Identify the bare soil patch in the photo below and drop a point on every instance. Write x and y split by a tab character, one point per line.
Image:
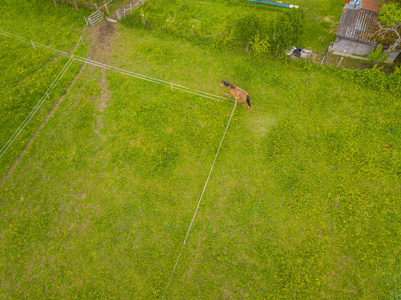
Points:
101	37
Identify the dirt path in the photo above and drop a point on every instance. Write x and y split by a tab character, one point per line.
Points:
101	37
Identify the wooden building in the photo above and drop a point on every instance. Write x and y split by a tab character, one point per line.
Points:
369	5
354	33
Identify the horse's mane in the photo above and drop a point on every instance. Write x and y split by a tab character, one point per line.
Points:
226	83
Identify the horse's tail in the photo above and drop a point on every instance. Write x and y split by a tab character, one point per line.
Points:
248	101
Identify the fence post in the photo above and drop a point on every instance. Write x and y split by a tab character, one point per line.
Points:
340	61
168	28
193	33
76	5
54	2
327	51
143	18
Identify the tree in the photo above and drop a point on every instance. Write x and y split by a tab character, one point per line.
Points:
390	14
388	30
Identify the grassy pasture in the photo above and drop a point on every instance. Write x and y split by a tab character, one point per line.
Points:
57	26
156	149
31	71
303	201
211	20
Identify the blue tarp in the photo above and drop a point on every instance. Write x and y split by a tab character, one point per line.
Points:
274	3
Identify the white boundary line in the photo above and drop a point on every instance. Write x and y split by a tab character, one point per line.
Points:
36	108
80	39
154	80
175	86
46	94
126	72
199	202
98	64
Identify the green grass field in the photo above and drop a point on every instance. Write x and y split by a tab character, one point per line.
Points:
213	19
303	201
31	69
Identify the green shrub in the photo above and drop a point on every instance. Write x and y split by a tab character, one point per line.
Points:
371	78
248	27
287	30
224	36
259	46
376	56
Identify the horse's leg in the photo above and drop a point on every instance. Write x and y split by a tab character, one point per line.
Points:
242	102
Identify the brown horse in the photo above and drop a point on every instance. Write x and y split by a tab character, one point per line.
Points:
237	93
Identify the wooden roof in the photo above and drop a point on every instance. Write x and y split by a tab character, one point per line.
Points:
357	25
372	5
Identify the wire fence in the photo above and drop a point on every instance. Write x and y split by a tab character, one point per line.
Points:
155	80
97	64
36	108
125	72
199	202
121	13
46	95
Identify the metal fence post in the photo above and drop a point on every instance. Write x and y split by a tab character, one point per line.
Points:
327	51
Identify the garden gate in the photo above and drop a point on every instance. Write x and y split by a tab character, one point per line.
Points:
97	16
